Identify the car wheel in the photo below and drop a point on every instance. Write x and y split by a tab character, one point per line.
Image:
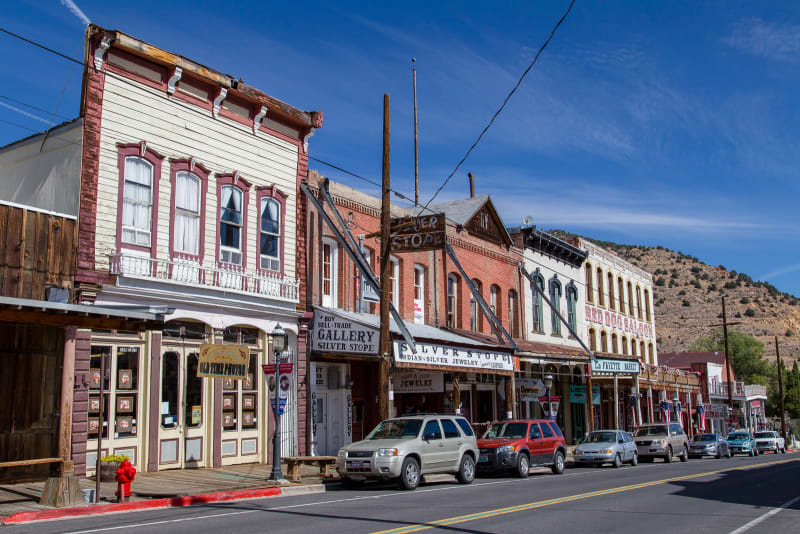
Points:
718	455
684	455
730	454
668	456
751	454
523	465
466	471
558	463
783	450
349	483
635	459
409	474
617	462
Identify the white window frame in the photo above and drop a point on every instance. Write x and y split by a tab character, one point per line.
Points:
195	215
137	231
225	249
273	263
394	279
419	294
330	299
452	301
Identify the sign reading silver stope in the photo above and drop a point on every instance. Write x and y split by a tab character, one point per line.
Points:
413	234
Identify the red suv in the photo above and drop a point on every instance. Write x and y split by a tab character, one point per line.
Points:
521	444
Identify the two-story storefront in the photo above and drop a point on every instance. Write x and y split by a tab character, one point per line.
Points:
189	199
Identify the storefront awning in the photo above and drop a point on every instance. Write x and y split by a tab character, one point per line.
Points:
14	310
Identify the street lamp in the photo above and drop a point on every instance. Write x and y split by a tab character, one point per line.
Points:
548	383
675	404
278	346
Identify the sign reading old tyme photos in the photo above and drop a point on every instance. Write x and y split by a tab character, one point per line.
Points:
224	361
413	234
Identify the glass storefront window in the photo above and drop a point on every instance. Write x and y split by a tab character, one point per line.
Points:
126	398
170	372
194	392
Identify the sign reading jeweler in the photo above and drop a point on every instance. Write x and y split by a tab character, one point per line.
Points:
428	354
628	367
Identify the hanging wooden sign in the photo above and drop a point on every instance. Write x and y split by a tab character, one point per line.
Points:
224	361
415	234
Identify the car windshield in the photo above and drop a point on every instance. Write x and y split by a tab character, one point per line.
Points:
600	437
652	430
506	430
764	435
738	436
704	437
397	429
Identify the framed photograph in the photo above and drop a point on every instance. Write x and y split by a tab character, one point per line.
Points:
247	383
94	404
248	402
227	420
94	378
125	379
125	424
125	404
228	402
248	418
228	383
94	424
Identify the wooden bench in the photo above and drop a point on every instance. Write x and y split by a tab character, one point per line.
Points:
293	464
37	461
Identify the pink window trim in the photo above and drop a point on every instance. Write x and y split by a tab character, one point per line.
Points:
272	192
180	165
244	186
143	151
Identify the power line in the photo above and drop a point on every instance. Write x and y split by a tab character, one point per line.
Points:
502	106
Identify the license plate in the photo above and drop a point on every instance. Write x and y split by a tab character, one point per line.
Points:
356	464
482	459
588	457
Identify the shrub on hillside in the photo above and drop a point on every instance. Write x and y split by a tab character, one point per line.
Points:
745	300
686	303
750	312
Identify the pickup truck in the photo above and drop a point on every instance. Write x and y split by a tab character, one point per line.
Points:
770	441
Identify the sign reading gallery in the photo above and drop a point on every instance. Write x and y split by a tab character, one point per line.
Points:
338	334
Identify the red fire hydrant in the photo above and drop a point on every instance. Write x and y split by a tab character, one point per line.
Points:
125	475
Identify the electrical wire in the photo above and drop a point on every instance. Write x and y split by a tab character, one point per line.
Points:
502	106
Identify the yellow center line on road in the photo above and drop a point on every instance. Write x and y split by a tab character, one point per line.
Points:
539	504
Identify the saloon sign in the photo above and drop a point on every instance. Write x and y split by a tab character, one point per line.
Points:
452	357
414	234
616	320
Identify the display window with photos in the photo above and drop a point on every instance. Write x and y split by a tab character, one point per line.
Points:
115	394
240	397
179	380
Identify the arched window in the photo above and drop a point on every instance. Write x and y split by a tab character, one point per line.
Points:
572	306
601	297
536	298
270	235
639	302
555	299
647	304
452	301
592	340
475	317
651	354
603	341
631	309
419	294
512	314
186	235
621	296
624	345
633	347
611	303
330	274
230	225
137	201
494	302
589	285
614	347
642	353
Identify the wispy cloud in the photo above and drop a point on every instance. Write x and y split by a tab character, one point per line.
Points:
780	272
22	112
766	39
72	6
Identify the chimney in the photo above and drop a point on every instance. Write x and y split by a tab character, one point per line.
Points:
471	184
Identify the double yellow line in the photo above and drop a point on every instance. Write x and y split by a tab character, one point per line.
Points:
549	502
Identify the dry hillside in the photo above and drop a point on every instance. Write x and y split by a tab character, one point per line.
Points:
687	295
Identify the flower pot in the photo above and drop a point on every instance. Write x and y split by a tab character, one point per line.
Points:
108	470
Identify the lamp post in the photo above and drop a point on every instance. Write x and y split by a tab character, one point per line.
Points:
278	346
675	404
548	383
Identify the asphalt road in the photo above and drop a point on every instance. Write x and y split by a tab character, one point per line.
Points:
728	495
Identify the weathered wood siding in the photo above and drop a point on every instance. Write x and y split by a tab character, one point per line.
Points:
133	112
36	250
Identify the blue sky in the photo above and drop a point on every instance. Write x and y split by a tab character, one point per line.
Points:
654	123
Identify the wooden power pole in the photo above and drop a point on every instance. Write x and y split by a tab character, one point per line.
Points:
416	138
384	348
780	388
727	360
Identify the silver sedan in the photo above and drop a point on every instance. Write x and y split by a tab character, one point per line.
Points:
606	446
709	445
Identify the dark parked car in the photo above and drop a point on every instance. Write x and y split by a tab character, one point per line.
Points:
521	444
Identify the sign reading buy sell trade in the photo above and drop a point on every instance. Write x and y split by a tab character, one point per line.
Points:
628	367
223	361
338	334
414	234
428	354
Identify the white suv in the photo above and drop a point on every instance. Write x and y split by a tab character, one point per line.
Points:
406	448
769	441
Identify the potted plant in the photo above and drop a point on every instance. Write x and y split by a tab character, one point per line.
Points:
109	465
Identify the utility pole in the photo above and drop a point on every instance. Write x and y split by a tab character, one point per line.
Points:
416	148
589	404
780	388
384	348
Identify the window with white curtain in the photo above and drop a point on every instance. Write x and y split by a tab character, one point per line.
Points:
187	213
137	203
230	225
419	294
329	272
394	282
270	244
452	301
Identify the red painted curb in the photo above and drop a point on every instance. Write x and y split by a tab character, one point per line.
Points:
189	500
